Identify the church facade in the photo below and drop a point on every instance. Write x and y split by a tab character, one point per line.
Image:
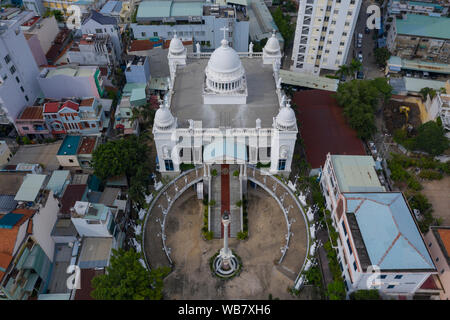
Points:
225	107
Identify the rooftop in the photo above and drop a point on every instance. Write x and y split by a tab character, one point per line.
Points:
111	7
424	26
30	187
87	145
58	180
442	235
166	8
262	100
7	203
95	252
308	80
11	182
31	113
388	229
69	146
331	134
72	194
417	84
84	293
356	173
109	195
100	18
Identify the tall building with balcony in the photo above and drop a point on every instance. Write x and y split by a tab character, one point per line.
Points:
323	34
18	69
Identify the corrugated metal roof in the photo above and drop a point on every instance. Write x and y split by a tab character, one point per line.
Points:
58	180
390	234
308	80
7	203
417	84
95	252
166	9
30	187
425	26
356	173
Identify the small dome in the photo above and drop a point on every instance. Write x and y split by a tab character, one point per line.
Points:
286	118
163	118
273	45
176	45
224	59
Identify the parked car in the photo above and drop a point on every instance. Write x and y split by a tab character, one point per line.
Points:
359	43
426	75
360	36
360	75
343	78
360	57
408	74
366	30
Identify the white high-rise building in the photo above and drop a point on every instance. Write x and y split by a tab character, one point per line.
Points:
323	34
18	69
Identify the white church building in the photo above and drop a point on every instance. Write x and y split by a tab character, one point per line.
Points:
225	107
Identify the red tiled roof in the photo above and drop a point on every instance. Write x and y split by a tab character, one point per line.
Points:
32	113
70	104
87	102
141	45
72	194
51	107
445	238
8	239
31	21
323	127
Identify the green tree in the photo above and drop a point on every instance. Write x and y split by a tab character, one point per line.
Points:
381	56
127	279
343	70
355	66
427	91
336	290
117	157
431	138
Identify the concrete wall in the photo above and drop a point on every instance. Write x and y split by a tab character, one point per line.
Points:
138	74
92	230
5	153
442	266
61	86
43	223
91	26
36	50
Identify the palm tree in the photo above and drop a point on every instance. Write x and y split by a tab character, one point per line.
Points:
355	66
343	70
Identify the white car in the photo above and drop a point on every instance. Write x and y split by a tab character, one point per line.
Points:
360	57
360	36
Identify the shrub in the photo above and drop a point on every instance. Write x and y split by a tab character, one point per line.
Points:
414	184
239	203
430	174
242	235
212	203
214	172
236	173
208	235
365	295
336	290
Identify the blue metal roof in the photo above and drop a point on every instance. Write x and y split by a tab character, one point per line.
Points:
58	180
9	220
391	237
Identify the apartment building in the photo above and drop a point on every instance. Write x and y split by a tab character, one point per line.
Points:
198	21
5	153
439	106
419	37
399	7
323	34
18	69
31	123
138	70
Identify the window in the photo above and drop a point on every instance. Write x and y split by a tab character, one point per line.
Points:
429	245
399	276
143	34
71	160
17	79
442	271
7	58
344	33
340	266
343	227
355	267
341	43
169	165
26	98
25	128
155	34
21	88
437	259
282	164
352	1
349	247
383	276
12	69
391	286
98	30
350	13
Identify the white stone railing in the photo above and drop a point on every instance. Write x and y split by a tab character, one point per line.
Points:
204	55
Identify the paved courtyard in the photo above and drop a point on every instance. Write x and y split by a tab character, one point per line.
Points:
191	277
44	154
437	192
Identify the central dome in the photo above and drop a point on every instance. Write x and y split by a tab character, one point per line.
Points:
224	59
